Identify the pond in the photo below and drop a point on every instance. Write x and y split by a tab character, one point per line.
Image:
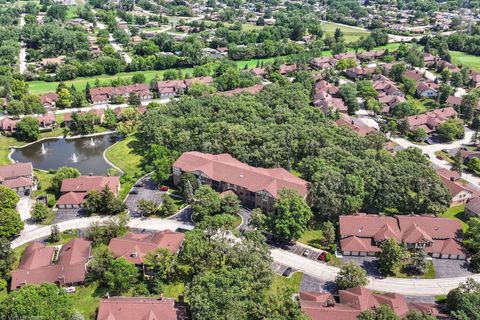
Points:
85	154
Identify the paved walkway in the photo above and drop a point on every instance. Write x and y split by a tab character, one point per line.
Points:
37	231
431	149
413	287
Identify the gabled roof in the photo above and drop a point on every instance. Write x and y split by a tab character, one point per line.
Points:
138	308
223	167
37	266
88	183
19	169
135	246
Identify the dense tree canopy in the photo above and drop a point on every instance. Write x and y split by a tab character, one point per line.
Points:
277	127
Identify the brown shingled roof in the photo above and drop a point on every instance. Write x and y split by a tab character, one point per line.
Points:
139	308
223	167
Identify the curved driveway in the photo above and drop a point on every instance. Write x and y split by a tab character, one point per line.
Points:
420	287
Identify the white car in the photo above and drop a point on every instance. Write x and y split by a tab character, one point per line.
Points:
70	290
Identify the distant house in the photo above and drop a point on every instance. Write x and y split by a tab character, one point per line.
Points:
140	308
255	187
326	102
416	75
48	100
52	61
385	86
461	193
322	63
390	102
427	89
259	72
356	126
41	263
286	69
361	234
429	60
135	246
324	86
18	177
370	55
74	190
472	207
360	73
103	95
8	125
171	88
454	102
348	55
430	120
352	302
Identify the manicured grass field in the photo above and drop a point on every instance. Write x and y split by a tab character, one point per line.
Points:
457	213
465	59
292	282
429	274
39	87
123	155
350	34
87	300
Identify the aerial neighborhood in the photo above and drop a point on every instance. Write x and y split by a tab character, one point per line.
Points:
248	160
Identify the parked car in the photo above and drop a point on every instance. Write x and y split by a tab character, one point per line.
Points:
134	191
306	252
287	272
322	256
70	290
140	184
439	157
164	188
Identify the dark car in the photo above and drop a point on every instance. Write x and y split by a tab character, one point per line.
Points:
322	256
138	185
287	272
134	191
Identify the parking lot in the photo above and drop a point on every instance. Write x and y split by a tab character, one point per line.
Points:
445	268
67	214
143	189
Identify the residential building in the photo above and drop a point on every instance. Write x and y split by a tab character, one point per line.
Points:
41	263
430	120
327	103
135	246
171	88
323	63
360	73
390	102
18	177
454	102
255	187
140	308
103	95
286	69
351	302
472	208
361	234
416	75
48	100
427	89
370	55
74	190
356	126
461	192
52	61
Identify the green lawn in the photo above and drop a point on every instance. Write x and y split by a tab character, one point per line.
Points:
173	290
312	238
429	274
293	282
350	34
465	59
39	87
87	300
457	213
123	155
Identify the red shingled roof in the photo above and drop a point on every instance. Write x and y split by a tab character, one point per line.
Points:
88	183
14	170
322	306
252	90
37	267
135	246
223	167
138	308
